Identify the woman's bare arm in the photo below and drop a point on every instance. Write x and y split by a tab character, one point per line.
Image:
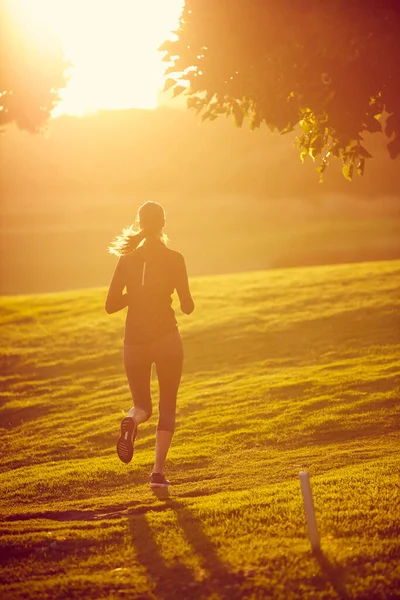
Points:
182	287
116	300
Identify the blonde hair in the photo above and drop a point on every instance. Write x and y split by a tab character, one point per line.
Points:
149	223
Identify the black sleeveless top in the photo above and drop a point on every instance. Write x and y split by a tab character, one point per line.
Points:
150	274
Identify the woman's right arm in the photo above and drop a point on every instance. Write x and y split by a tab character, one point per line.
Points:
116	300
182	287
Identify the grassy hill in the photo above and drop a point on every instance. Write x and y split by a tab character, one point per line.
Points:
285	370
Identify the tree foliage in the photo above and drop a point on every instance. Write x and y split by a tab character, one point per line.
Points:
329	68
32	68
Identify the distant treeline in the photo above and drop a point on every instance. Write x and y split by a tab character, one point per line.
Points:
67	249
137	154
236	200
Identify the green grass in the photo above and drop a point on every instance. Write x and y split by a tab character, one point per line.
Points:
284	371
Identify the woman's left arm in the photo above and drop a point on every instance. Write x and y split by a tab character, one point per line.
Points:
116	300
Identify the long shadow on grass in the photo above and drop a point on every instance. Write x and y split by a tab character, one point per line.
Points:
334	574
169	582
344	334
178	581
15	417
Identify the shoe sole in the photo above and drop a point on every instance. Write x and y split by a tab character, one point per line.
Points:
126	439
160	485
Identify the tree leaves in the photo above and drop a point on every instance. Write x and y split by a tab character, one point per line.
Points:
316	145
169	83
305	125
237	114
361	151
32	69
321	170
195	102
360	168
178	89
392	125
347	171
394	148
322	68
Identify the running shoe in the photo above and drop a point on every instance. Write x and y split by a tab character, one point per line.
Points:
126	439
157	480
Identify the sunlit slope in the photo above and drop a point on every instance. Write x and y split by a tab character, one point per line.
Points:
284	370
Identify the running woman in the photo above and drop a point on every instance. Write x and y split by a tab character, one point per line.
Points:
150	272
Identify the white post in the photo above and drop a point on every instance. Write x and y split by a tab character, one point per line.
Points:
313	534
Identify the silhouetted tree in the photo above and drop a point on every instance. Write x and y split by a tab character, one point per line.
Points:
31	69
332	67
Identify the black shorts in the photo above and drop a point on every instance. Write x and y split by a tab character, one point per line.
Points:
167	354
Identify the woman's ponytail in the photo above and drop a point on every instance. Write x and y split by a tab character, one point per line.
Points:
126	242
151	220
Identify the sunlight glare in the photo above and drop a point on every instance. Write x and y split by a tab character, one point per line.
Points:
112	47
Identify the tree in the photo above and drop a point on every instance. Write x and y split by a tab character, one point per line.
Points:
31	69
330	68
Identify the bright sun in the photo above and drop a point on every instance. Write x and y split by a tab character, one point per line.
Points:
112	45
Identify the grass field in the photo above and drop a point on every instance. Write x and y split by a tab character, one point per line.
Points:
285	370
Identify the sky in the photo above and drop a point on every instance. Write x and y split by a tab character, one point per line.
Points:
112	45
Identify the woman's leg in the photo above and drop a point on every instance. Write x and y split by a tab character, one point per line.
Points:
163	442
138	371
169	361
138	363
